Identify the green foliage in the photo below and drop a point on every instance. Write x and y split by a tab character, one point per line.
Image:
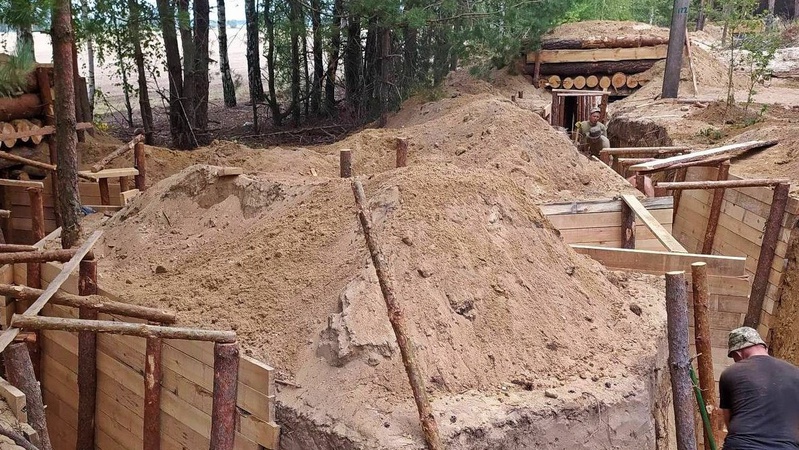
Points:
655	12
760	49
14	72
712	134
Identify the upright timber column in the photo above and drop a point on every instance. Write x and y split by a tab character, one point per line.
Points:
223	410
671	77
87	360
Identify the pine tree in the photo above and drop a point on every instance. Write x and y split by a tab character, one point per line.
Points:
228	88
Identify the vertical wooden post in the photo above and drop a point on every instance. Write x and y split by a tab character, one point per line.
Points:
19	372
679	176
627	226
105	195
640	182
537	67
123	184
679	361
140	163
151	434
771	235
87	361
715	210
604	157
397	319
34	270
223	412
402	152
345	163
703	347
46	95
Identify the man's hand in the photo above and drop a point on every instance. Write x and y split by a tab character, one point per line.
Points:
726	413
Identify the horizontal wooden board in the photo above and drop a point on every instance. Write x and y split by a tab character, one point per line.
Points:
601	206
599	220
604	234
653	226
599	54
661	262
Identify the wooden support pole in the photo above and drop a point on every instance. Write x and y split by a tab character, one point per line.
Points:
537	68
728	184
627	226
96	302
34	270
124	328
15	248
679	177
223	410
151	433
345	163
715	210
771	235
679	361
87	360
105	195
100	165
26	161
140	163
397	319
605	157
640	183
402	152
703	345
124	185
62	255
19	372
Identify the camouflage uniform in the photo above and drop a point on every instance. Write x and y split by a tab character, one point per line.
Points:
588	136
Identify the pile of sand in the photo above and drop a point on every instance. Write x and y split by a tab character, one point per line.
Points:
779	161
604	28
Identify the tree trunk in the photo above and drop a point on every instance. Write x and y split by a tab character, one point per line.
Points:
120	54
332	65
410	57
200	75
84	6
138	56
25	40
269	21
307	80
352	63
295	16
178	120
603	42
253	54
371	70
228	89
186	41
677	34
318	64
67	174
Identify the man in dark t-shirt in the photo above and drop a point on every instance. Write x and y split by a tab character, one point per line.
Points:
759	396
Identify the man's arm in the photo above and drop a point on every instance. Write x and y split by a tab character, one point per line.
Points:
726	413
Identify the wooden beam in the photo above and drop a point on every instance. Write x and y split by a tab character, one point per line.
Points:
715	211
113	327
722	184
654	226
345	163
599	54
39	256
223	410
600	206
627	226
87	360
140	163
151	430
14	248
667	162
644	151
22	183
19	370
100	165
109	173
27	161
15	400
647	261
771	235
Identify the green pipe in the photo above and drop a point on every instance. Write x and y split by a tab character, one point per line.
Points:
702	409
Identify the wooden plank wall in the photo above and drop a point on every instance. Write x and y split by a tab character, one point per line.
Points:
581	225
16	200
744	213
187	387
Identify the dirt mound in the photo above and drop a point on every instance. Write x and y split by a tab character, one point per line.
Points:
780	161
593	28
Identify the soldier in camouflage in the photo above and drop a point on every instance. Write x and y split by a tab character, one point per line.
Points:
593	134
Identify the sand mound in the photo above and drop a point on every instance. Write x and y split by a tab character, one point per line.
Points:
780	161
594	28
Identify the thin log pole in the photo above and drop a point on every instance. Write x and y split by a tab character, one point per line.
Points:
96	302
223	412
707	385
140	163
640	183
151	434
679	177
100	165
345	163
728	184
62	255
105	194
19	372
771	235
16	248
679	361
124	185
715	210
26	161
402	152
34	269
627	226
87	360
397	319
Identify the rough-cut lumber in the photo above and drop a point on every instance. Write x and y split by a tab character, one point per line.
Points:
109	173
618	80
715	211
15	399
96	302
695	156
627	226
140	163
124	328
654	226
648	261
100	165
345	163
17	437
87	360
679	360
702	338
554	81
151	431
601	206
765	260
645	151
592	81
579	82
37	256
105	192
25	106
397	319
22	183
599	54
604	82
573	69
723	184
223	410
19	370
603	42
402	151
15	248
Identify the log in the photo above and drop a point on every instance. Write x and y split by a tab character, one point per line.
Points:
34	275
604	82
62	255
627	226
140	163
568	83
105	193
679	177
702	340
632	81
402	152
573	69
703	154
113	327
7	129
728	184
579	82
46	95
679	361
397	319
29	162
715	211
87	360
36	125
223	409
100	165
345	163
618	80
151	432
592	81
25	106
603	42
96	302
21	126
19	372
14	248
554	81
124	184
771	235
16	437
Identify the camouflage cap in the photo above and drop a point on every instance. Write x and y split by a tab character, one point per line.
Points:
741	338
596	109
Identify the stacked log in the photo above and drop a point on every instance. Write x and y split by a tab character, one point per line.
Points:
9	129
